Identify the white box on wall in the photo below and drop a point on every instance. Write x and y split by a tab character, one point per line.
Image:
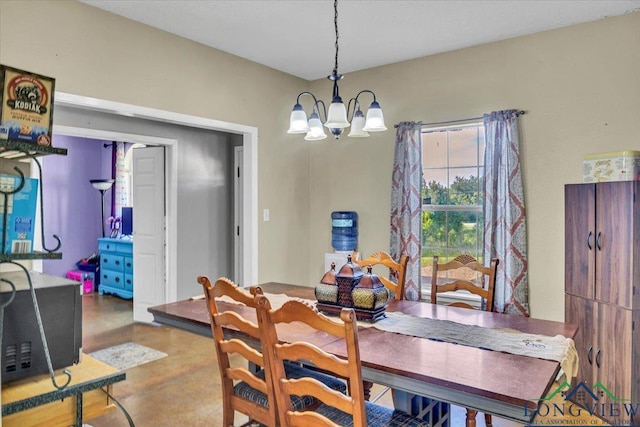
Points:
614	166
340	258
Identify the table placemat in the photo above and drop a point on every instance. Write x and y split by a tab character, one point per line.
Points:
558	348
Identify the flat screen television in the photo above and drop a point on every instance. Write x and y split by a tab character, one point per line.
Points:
127	221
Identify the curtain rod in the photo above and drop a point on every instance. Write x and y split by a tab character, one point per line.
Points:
519	113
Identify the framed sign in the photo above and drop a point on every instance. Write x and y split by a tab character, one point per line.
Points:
26	110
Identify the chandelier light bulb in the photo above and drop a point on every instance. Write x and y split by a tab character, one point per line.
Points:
375	119
298	120
357	125
337	116
316	131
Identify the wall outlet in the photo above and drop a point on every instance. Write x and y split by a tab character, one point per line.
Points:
265	215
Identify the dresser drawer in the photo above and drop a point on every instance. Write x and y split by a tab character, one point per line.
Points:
112	262
112	279
128	265
106	246
125	247
113	245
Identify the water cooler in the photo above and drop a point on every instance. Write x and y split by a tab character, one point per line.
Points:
344	238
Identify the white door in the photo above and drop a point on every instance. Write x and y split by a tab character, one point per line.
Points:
238	232
148	231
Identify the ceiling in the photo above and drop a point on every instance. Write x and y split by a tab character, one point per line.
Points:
298	36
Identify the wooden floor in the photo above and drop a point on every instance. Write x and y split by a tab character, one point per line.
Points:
182	389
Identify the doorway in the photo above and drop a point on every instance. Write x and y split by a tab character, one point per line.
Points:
249	194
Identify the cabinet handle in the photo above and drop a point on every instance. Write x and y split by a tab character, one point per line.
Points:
589	240
598	241
598	358
117	279
589	355
117	262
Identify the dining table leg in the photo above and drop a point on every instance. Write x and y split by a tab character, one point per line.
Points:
471	418
367	385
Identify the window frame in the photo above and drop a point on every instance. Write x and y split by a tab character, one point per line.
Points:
425	285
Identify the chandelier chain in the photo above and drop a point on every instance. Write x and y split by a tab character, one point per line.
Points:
335	23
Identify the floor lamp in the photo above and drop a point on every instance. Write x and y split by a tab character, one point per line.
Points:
102	185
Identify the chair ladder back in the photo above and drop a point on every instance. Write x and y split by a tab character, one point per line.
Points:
488	277
349	369
398	269
236	373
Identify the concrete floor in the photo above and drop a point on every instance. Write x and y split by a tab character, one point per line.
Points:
182	389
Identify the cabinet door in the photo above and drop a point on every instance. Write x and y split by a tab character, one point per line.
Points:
579	206
583	312
614	242
613	356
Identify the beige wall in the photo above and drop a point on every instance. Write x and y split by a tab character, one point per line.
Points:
579	86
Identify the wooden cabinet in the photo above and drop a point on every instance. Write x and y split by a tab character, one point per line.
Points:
602	275
116	267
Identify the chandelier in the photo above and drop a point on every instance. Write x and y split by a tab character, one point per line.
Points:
336	119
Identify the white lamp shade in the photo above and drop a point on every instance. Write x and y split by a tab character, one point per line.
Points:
375	119
316	131
101	184
298	121
337	116
357	125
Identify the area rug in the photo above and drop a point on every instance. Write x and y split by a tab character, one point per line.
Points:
128	355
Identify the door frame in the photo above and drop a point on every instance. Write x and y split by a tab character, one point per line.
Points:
238	232
250	163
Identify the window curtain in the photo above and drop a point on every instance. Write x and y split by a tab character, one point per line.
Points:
505	235
406	205
121	194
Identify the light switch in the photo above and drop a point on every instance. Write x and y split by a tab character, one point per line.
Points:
265	215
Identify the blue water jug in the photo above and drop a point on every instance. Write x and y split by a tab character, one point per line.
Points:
344	230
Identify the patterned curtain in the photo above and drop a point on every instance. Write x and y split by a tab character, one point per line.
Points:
505	233
121	197
406	204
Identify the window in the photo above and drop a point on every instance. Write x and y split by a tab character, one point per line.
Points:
128	173
452	195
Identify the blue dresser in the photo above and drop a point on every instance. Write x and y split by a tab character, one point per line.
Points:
116	267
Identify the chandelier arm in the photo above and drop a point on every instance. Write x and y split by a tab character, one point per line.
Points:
356	105
315	100
321	103
316	103
367	91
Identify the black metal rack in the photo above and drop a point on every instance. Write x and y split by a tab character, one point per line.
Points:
24	151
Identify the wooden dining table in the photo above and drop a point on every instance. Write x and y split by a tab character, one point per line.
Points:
502	384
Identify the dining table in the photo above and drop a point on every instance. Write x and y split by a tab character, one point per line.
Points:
499	383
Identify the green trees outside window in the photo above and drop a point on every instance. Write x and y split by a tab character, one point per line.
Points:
452	195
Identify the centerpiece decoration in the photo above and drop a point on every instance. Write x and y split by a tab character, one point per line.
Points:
352	288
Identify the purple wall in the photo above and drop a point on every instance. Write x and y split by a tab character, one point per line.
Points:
71	205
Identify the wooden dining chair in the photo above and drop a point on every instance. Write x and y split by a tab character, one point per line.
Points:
397	269
396	288
337	409
244	390
465	272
